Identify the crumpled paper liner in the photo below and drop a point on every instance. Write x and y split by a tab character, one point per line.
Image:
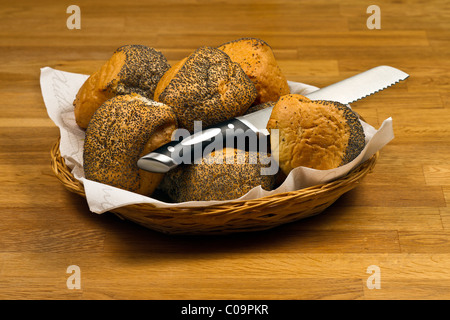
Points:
59	89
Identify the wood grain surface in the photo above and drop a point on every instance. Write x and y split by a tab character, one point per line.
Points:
397	219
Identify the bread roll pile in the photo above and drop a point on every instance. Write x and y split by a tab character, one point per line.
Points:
134	103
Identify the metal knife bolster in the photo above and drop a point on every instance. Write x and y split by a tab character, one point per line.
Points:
192	147
237	132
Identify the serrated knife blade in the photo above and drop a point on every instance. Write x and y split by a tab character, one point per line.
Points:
346	91
361	85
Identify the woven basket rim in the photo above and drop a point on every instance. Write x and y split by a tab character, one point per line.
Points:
231	216
63	173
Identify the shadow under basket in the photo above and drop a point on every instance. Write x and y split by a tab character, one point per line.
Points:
231	217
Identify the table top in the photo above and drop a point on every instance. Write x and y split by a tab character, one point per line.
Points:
389	238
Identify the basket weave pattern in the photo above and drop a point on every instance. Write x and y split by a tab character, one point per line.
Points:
236	216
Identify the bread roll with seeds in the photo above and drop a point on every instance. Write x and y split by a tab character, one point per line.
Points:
123	129
206	86
256	57
131	69
231	177
316	134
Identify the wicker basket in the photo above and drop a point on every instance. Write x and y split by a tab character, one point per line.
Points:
237	216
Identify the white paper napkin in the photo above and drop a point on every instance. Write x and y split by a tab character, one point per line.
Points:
59	89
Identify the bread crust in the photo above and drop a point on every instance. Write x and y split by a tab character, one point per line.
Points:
131	69
316	134
206	86
235	174
122	130
257	60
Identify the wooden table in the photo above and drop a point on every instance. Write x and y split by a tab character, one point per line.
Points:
392	230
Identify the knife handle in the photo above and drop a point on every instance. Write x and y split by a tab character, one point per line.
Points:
193	147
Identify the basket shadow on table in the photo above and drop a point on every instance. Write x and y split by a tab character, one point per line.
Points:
301	231
128	239
280	223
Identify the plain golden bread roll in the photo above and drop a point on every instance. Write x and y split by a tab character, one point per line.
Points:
122	130
131	69
238	173
256	57
316	134
206	86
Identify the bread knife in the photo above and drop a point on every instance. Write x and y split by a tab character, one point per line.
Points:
186	149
